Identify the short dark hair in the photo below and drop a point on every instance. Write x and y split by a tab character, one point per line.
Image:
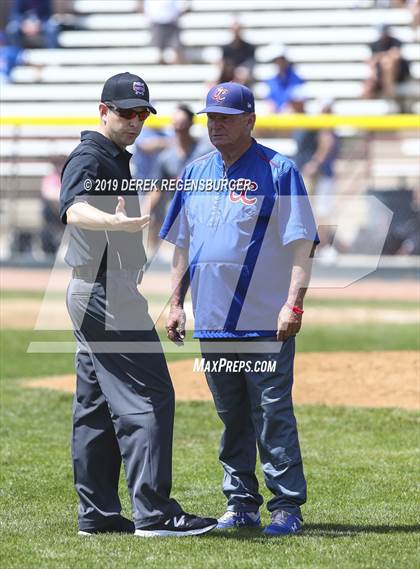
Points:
187	110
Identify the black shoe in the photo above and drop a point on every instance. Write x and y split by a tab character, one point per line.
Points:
179	525
117	525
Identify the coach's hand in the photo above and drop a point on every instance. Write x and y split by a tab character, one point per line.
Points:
288	323
129	224
175	325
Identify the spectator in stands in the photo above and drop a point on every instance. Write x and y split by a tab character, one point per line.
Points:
285	80
144	164
163	17
10	56
52	230
228	72
316	153
238	59
387	66
31	24
147	148
183	149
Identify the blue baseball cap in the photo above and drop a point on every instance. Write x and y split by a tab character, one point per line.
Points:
229	99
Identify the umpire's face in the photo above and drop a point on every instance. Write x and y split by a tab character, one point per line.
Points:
226	131
122	131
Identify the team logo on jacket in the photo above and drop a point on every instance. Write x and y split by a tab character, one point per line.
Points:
220	94
239	193
138	88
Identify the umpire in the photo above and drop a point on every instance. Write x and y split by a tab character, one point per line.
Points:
124	403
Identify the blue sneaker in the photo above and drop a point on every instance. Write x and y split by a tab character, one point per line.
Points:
283	523
231	520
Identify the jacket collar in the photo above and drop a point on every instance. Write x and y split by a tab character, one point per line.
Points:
105	143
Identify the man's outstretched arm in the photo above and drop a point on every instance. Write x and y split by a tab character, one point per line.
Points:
85	216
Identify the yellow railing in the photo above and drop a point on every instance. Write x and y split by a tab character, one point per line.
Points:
275	122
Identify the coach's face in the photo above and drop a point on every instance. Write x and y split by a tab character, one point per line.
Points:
226	131
122	131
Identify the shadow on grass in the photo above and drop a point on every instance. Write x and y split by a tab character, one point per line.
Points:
339	530
320	530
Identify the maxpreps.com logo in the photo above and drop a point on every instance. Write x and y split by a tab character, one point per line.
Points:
239	193
220	94
138	88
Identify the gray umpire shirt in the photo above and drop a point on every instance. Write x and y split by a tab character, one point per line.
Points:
94	173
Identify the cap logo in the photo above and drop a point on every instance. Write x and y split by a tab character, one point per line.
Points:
220	94
138	88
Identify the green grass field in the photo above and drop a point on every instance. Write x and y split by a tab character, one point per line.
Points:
361	467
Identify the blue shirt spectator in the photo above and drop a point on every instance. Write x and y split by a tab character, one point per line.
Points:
285	80
31	24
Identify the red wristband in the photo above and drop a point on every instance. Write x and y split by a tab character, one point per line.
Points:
295	309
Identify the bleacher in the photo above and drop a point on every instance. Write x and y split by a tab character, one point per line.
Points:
326	39
328	45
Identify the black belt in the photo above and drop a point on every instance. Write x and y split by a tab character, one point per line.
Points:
91	275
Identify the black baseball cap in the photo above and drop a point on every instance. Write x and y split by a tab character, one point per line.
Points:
126	91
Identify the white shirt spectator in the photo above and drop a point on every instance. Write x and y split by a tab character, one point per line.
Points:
164	11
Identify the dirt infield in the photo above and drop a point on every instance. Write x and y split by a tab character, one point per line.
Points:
365	379
356	379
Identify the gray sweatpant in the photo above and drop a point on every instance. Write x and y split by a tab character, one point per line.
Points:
256	409
123	407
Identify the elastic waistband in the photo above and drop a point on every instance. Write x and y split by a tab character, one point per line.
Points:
90	274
